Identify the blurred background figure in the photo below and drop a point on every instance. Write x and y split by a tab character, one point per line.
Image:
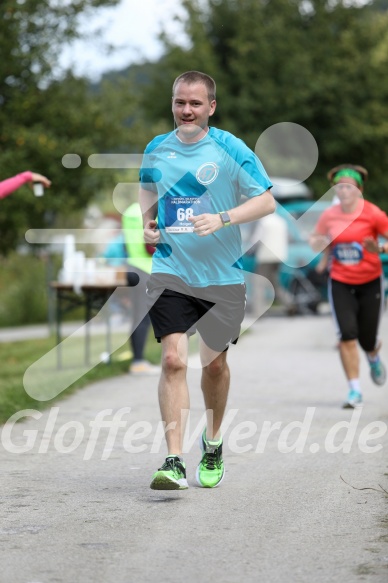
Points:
271	252
115	255
249	263
139	269
115	252
9	185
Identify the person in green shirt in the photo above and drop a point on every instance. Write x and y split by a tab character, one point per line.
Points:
139	263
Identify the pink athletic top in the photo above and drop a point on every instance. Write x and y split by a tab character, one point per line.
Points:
11	184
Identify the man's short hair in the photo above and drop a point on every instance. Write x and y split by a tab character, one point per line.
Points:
192	77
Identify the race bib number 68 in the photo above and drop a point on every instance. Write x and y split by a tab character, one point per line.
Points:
179	209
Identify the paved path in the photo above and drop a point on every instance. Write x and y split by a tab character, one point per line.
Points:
280	516
18	333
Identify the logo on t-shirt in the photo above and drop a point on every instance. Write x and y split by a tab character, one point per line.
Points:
207	173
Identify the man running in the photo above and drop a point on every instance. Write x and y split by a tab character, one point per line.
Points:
192	180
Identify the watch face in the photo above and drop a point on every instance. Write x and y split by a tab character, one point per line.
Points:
225	218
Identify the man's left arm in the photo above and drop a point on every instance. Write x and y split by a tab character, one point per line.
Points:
251	210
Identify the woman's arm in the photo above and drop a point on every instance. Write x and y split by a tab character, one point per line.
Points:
318	242
373	246
9	185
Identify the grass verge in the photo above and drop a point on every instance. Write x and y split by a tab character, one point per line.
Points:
38	357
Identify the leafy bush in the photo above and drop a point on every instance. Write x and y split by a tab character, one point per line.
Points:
23	290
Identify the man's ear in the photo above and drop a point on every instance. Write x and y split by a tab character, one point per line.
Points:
213	105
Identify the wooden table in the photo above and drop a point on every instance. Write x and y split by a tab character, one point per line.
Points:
92	297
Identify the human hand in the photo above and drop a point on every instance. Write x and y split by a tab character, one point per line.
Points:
206	224
319	242
371	245
40	178
321	266
151	233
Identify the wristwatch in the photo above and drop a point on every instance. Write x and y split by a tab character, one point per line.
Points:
225	218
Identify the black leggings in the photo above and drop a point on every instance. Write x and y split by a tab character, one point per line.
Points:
140	319
357	310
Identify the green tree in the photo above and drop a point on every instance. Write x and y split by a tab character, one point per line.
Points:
319	64
45	115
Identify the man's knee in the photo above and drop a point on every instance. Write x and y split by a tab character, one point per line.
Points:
216	366
172	362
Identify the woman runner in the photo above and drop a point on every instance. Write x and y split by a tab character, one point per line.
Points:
356	287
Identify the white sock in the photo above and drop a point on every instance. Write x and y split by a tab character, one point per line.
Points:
354	385
213	441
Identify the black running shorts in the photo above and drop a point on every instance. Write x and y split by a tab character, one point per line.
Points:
215	311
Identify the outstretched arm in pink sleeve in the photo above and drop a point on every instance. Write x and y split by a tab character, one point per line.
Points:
10	184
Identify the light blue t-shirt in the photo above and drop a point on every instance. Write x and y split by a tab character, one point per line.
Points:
207	176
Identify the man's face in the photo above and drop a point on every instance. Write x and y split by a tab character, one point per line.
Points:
191	109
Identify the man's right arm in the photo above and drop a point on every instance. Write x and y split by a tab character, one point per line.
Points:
149	209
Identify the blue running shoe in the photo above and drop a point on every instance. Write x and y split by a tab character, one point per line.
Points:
354	400
378	372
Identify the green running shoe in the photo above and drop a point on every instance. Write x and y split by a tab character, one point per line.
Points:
378	372
171	476
210	471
